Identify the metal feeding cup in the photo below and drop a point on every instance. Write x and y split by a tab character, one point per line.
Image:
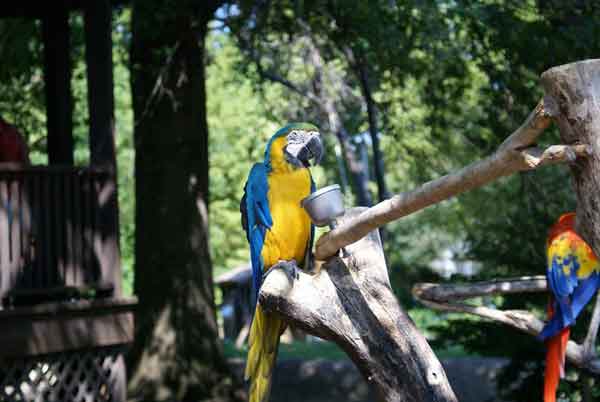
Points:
324	206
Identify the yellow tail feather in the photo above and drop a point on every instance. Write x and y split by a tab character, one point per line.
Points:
263	343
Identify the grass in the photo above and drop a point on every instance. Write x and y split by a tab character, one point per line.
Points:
294	350
323	350
425	319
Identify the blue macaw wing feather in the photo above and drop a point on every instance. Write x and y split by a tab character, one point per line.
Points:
256	218
562	284
571	293
585	291
562	280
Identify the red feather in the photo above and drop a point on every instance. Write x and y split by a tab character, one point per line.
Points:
555	360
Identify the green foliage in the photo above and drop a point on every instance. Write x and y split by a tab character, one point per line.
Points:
295	350
21	82
124	142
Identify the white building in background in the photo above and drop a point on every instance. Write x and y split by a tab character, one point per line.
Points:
449	263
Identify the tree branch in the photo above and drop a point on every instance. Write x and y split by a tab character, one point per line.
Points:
444	297
534	157
350	302
446	292
589	344
508	159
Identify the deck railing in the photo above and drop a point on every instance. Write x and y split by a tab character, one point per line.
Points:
50	242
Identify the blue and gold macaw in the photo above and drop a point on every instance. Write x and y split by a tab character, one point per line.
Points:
573	279
279	231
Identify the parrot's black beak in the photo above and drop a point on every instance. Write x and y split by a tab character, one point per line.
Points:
304	147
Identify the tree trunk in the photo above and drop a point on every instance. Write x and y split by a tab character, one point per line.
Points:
176	356
572	91
350	301
358	171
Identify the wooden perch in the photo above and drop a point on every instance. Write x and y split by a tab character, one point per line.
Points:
350	302
514	154
445	297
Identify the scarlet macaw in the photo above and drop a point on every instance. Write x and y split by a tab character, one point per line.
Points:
279	231
573	278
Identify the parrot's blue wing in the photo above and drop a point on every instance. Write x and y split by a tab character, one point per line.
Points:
571	293
256	218
563	284
585	291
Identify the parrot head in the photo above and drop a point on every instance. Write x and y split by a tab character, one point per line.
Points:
564	223
295	144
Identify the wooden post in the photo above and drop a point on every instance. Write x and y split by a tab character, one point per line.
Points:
57	78
98	56
350	301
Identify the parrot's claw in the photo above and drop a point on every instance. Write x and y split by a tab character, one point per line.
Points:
289	267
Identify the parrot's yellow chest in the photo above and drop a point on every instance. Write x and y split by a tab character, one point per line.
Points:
290	234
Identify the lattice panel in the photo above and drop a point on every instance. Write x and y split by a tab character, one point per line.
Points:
95	375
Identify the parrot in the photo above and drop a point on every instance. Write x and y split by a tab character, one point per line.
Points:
573	276
280	234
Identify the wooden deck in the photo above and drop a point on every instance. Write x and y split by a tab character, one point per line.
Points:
59	285
73	325
50	233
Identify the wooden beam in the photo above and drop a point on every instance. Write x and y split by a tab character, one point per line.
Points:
57	327
57	78
98	56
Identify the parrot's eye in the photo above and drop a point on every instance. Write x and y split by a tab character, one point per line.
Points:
294	136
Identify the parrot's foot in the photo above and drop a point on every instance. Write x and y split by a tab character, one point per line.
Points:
289	267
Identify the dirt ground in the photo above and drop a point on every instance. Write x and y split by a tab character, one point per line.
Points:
472	378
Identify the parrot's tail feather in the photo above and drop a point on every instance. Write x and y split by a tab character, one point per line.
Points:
555	363
263	344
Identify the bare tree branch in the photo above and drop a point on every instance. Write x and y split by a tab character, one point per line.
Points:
447	292
506	160
444	297
535	157
589	342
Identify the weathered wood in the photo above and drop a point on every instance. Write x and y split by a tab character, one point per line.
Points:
445	297
65	326
509	158
454	292
350	301
573	91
